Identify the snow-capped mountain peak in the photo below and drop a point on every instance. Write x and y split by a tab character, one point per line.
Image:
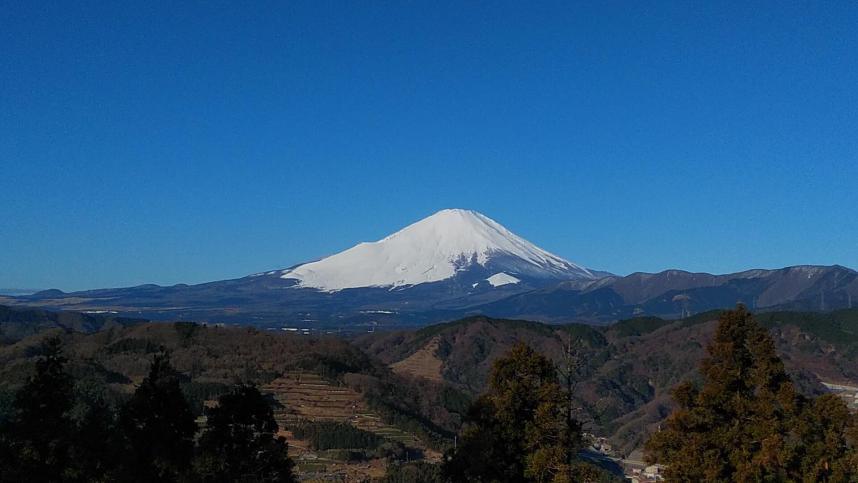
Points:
435	248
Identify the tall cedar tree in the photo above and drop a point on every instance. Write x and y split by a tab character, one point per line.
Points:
159	427
519	430
240	442
97	448
748	423
37	441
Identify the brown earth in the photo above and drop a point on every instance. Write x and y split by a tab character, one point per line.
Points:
423	363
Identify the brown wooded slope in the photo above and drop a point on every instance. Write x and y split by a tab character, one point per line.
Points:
629	368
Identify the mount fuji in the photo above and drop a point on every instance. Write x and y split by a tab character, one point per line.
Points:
450	244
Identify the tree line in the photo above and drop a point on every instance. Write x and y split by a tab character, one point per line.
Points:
747	421
743	421
522	429
52	436
322	435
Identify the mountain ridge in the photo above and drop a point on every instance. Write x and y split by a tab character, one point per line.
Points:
272	301
452	264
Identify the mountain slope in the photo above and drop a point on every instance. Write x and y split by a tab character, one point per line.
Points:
435	248
675	293
628	368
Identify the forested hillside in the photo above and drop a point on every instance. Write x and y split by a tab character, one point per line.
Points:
417	385
627	368
112	362
17	323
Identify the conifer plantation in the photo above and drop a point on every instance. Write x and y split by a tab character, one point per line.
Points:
55	436
747	422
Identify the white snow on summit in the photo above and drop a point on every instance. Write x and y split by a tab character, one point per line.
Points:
499	279
432	249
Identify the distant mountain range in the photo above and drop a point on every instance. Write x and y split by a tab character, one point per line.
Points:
452	264
18	291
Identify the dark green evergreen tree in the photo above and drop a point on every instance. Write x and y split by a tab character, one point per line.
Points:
38	439
159	427
97	448
748	423
519	431
240	442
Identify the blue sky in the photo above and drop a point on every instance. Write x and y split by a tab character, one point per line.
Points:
175	143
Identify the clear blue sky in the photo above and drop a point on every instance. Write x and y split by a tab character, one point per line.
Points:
176	142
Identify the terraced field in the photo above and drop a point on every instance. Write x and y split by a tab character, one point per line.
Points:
306	396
